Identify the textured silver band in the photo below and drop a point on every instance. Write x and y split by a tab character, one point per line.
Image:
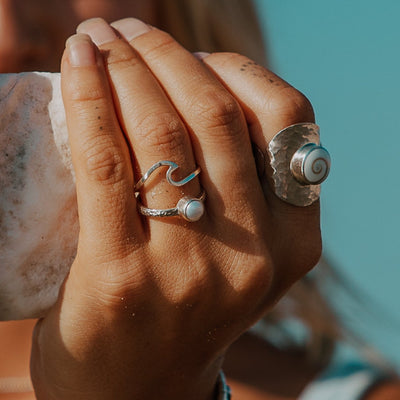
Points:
189	208
299	164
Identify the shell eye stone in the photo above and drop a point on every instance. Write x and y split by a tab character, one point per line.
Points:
310	164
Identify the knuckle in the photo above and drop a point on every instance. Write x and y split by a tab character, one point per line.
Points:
114	281
123	58
253	281
104	163
165	132
188	289
162	43
290	102
218	109
84	93
224	59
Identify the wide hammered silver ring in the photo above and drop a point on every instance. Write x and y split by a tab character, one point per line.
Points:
189	208
299	164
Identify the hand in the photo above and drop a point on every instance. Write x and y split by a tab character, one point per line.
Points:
151	304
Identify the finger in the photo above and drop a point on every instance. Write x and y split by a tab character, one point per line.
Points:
104	179
218	128
270	104
153	126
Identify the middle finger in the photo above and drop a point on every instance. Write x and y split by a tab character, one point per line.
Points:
214	119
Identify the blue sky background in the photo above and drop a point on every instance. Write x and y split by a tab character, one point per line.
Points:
344	55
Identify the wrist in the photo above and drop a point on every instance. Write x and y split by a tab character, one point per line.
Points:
209	384
206	383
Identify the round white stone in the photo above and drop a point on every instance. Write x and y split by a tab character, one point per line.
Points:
194	210
316	165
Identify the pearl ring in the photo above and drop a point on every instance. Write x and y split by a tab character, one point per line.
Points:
189	208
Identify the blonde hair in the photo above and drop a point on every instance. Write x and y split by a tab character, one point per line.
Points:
214	25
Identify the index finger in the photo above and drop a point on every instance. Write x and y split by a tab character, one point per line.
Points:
104	176
270	104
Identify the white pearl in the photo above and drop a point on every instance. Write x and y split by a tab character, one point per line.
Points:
193	210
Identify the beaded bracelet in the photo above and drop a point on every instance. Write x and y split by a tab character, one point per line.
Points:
224	391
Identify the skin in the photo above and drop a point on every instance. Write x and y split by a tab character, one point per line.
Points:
154	283
142	287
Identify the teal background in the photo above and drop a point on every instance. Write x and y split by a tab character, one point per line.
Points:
344	55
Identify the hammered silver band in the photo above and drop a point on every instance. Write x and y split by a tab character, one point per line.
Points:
299	164
189	208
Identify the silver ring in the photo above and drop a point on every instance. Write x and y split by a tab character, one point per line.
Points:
299	164
189	208
172	167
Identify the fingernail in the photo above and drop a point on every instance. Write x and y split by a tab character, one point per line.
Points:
201	55
98	30
130	28
81	50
